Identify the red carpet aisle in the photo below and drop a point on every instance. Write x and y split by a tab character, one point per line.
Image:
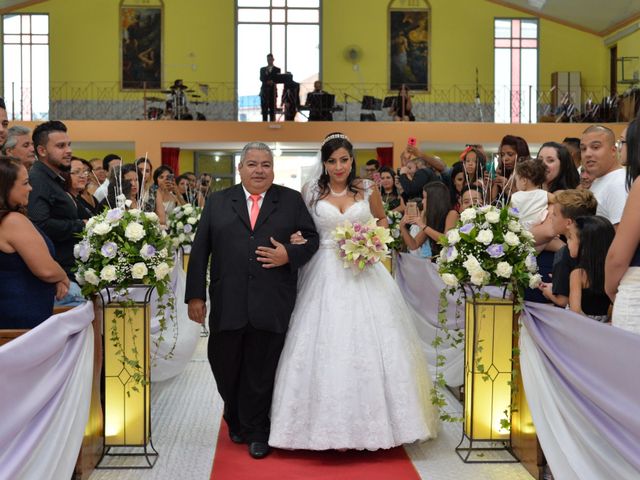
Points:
232	462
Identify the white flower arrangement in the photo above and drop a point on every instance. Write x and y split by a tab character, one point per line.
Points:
489	247
361	245
394	218
120	248
183	223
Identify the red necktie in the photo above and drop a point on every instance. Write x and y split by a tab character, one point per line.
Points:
255	209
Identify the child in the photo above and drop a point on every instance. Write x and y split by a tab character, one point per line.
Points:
531	201
566	207
589	239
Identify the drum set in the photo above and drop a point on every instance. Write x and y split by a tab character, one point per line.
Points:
176	104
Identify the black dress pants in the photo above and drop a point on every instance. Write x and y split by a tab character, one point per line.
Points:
244	364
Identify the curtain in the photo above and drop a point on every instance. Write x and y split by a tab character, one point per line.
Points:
385	156
171	158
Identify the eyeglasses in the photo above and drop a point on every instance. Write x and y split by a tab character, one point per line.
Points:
620	143
83	173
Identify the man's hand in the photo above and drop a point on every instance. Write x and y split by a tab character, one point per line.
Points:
273	257
197	310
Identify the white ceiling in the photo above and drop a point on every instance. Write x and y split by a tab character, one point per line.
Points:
597	16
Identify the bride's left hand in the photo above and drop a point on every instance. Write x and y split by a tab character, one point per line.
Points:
273	257
297	238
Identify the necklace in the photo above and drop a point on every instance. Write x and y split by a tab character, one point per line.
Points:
339	194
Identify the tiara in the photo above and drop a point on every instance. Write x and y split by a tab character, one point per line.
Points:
333	137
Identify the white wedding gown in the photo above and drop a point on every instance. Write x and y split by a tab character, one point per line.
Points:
351	374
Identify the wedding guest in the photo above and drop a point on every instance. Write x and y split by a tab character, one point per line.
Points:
123	180
20	145
621	147
109	162
561	173
470	196
622	268
401	108
586	179
456	184
50	207
512	148
413	177
530	200
97	177
29	275
588	240
4	122
389	191
438	217
371	167
77	187
567	205
599	156
166	192
572	144
147	200
474	162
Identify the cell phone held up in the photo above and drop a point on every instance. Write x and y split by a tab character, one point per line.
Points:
412	209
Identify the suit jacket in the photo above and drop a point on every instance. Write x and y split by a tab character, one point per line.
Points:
241	290
264	77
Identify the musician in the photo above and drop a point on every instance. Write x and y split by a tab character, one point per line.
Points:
318	110
401	108
268	90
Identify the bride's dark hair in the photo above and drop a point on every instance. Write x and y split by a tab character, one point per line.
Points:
333	142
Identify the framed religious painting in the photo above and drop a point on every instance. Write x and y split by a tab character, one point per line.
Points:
141	45
409	44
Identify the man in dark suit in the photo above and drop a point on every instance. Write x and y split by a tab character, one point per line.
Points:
244	234
268	89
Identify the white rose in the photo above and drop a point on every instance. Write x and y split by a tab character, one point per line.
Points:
163	253
191	221
91	277
135	212
453	236
534	280
91	222
527	234
102	228
531	263
161	270
134	231
139	270
503	269
485	236
181	237
180	225
188	209
108	273
468	215
511	239
485	208
514	226
480	277
472	265
492	217
175	242
450	279
80	278
151	216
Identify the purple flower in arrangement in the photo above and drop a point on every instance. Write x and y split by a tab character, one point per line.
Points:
357	227
188	228
114	215
109	250
466	228
147	251
514	211
84	250
495	250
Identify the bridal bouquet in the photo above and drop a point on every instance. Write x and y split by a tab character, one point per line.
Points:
394	218
183	222
360	245
489	247
120	248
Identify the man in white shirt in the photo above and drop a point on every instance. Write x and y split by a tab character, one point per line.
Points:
599	158
108	163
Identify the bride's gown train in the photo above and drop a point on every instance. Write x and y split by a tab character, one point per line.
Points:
351	374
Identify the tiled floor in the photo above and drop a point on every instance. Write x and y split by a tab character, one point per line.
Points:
186	414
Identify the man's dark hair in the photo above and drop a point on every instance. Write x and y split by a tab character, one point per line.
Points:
41	133
108	159
373	162
573	141
2	104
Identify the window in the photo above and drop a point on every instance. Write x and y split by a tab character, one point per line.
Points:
516	70
290	29
26	66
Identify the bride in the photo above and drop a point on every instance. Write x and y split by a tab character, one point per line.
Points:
351	374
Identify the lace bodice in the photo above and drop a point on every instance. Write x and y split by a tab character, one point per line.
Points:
327	216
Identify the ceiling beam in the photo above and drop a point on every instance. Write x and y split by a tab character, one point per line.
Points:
8	6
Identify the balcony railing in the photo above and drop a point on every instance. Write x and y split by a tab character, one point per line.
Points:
219	101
